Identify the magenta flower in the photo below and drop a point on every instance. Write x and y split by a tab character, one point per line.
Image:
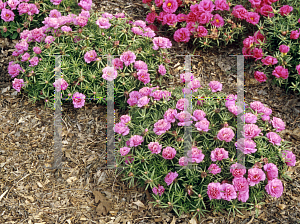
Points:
90	56
214	169
171	177
160	190
195	155
183	161
128	57
121	129
154	147
7	15
135	141
258	36
168	153
25	57
129	159
14	69
255	175
161	42
228	192
202	125
143	76
218	154
103	23
272	171
181	17
150	18
251	131
217	21
118	64
285	10
205	17
140	65
246	145
267	10
240	184
161	126
143	101
269	60
274	188
278	124
253	18
61	84
260	76
18	84
284	49
184	118
86	4
237	170
180	103
169	19
222	5
249	118
145	91
298	69
215	86
214	191
201	31
125	119
206	6
248	42
124	151
56	2
198	115
294	34
49	39
162	69
240	12
289	157
78	100
182	35
225	134
34	61
170	6
170	114
22	8
257	106
109	73
281	72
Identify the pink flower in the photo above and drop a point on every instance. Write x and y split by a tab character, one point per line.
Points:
205	17
237	170
228	192
298	69
274	138
159	3
180	103
170	19
13	4
103	23
225	134
289	157
201	31
240	12
7	15
214	169
217	21
294	34
107	15
81	21
90	56
49	39
120	15
85	13
258	53
243	196
215	86
278	124
181	17
258	36
22	46
272	171
143	76
25	57
118	64
135	141
137	30
129	159
248	42
154	147
252	17
32	9
150	18
214	191
18	84
161	126
240	184
14	69
281	72
168	153
257	106
143	101
162	69
251	130
170	114
267	10
255	3
186	77
206	6
145	91
56	2
155	190
202	125
121	129
246	145
260	76
218	154
161	190
124	151
230	100
61	84
109	73
198	115
161	42
125	119
255	175
128	57
66	29
170	6
195	155
171	177
86	4
284	49
285	10
22	8
269	60
184	118
222	5
140	65
182	35
166	95
34	61
183	161
78	100
274	188
249	118
54	13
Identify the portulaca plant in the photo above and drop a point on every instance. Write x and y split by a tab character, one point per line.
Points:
206	177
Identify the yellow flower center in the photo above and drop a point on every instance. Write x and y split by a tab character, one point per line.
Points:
169	4
251	18
217	20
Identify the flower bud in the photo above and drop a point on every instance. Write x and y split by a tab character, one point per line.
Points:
19	30
283	33
157	201
79	30
174	133
215	137
46	100
153	8
94	93
257	165
116	43
224	182
131	174
199	196
217	110
4	29
47	46
37	5
134	75
30	18
41	93
203	174
233	26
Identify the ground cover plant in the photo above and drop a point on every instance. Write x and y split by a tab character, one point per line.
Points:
207	23
150	150
17	15
87	39
275	48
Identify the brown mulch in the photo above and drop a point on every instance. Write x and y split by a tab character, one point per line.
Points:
85	190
